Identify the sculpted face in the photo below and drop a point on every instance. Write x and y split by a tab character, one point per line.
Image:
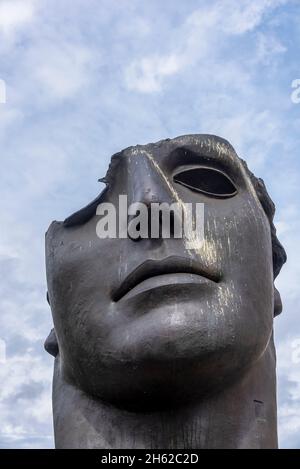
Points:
150	321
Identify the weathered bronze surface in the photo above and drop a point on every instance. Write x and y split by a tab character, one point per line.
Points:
182	363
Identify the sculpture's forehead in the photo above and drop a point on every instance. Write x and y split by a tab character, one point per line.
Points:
203	145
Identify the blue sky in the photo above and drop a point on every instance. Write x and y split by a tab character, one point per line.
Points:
86	78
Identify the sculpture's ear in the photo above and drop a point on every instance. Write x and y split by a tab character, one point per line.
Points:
51	344
277	302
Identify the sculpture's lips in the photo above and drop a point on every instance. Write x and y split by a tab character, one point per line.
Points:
171	270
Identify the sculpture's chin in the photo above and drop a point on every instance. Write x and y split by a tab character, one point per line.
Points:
154	384
168	356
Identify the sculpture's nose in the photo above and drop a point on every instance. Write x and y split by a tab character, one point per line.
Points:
147	181
147	185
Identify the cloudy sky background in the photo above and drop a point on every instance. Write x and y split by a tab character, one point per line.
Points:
86	78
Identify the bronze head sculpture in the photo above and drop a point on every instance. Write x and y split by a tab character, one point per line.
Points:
157	345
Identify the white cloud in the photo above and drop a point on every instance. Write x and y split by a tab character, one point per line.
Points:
199	38
8	117
25	400
146	75
267	47
62	68
242	17
15	13
288	366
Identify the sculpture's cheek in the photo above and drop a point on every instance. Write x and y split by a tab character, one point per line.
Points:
187	337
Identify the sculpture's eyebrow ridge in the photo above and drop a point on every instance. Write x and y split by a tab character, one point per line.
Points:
206	143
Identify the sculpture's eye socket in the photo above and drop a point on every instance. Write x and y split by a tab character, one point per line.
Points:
208	181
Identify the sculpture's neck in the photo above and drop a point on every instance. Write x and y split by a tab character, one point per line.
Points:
242	416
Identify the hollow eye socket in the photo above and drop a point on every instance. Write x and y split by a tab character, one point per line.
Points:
208	181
